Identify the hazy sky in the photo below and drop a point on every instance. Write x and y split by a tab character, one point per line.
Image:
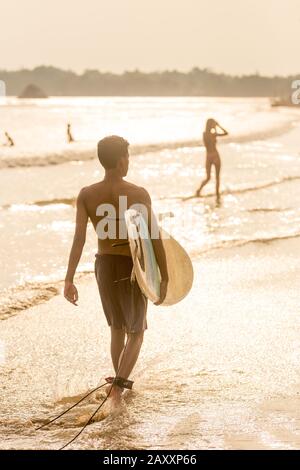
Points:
233	36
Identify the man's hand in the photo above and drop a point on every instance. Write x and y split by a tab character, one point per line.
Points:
163	292
70	292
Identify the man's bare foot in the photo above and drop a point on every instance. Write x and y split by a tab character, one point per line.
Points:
115	396
197	194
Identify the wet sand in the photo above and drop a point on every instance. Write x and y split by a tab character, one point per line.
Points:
220	370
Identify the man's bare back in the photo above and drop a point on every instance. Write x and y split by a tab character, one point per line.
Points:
91	204
109	191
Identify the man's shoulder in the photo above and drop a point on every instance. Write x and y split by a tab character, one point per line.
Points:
91	188
133	191
135	187
137	190
87	191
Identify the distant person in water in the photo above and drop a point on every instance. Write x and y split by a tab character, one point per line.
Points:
9	141
212	155
69	134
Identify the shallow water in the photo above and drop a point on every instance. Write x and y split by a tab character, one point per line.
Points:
38	127
260	186
226	374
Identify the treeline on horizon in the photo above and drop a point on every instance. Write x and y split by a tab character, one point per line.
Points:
197	82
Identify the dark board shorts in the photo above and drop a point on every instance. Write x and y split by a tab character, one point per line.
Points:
124	305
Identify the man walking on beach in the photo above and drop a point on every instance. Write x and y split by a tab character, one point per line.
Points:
124	305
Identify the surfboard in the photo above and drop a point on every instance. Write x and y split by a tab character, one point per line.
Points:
146	269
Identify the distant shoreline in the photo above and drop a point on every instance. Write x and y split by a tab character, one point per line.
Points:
197	82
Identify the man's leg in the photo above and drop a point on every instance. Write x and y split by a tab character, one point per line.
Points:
128	360
116	346
130	354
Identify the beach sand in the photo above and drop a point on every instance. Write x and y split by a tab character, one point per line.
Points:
220	370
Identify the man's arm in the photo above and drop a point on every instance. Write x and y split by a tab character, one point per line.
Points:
157	247
70	291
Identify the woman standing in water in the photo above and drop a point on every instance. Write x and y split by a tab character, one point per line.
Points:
212	155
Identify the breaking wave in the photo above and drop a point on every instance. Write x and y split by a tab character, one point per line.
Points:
19	298
236	190
79	153
242	242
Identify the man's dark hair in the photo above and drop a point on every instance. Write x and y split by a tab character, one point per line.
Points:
111	149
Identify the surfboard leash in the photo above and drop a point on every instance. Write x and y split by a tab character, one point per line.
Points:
71	407
88	422
114	382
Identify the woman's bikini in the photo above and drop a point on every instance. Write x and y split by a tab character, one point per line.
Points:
212	154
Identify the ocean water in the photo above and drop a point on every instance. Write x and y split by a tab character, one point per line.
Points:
38	127
211	382
219	370
40	181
